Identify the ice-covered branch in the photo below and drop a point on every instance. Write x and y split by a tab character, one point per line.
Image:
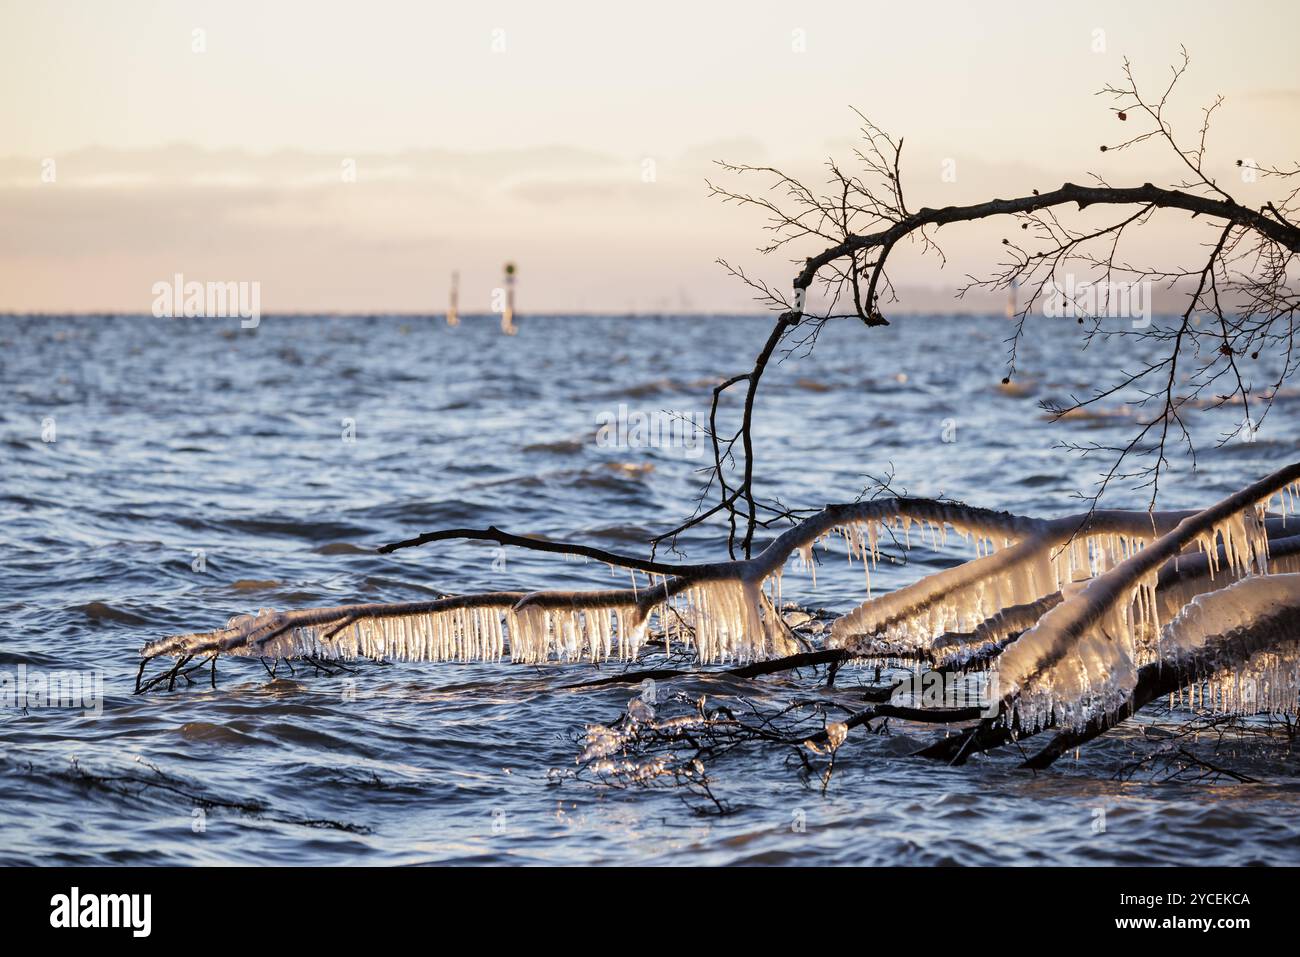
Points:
719	609
1107	628
1063	612
1239	647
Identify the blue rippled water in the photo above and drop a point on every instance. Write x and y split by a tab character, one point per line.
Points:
164	475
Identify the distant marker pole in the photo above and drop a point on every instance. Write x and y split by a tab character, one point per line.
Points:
453	309
508	316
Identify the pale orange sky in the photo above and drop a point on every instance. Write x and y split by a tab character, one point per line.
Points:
225	164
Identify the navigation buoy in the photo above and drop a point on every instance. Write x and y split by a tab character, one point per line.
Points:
508	314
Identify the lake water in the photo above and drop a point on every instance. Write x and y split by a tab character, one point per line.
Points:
163	475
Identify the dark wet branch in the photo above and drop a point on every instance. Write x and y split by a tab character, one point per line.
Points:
862	218
807	659
494	534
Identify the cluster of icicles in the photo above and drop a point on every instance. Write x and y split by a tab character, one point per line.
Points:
1081	659
717	621
489	634
1270	679
1064	610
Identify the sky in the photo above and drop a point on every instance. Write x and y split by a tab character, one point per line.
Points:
350	156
